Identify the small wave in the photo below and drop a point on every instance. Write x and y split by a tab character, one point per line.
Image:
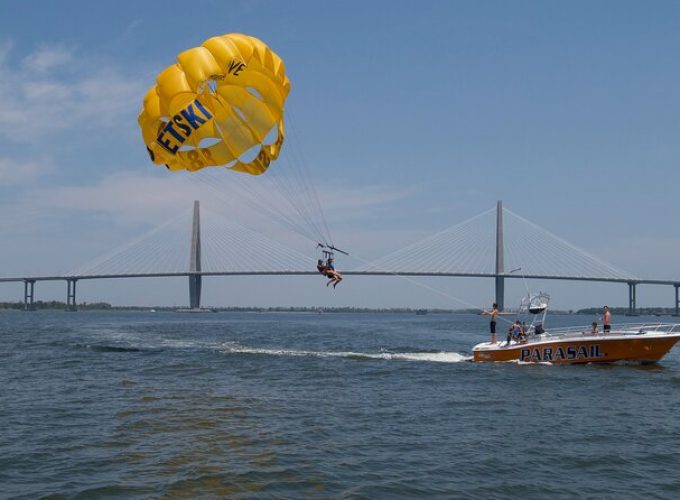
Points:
433	357
519	362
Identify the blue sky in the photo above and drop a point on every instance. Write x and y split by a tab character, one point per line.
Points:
412	116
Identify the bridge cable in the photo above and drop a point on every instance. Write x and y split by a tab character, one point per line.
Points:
284	193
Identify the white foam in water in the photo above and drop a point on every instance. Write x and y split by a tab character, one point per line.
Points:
433	357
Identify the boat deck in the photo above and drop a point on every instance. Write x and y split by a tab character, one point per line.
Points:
619	331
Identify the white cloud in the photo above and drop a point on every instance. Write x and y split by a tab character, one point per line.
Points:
46	58
346	197
13	172
127	198
152	197
55	90
88	220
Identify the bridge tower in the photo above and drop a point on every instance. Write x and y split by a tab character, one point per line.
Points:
29	292
500	281
632	299
195	260
71	294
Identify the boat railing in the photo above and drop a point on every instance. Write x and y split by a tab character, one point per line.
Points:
621	329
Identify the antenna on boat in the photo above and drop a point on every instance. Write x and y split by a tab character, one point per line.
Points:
523	279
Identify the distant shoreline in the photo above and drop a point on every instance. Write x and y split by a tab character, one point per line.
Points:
104	306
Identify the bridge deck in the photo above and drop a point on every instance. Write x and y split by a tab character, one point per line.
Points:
345	273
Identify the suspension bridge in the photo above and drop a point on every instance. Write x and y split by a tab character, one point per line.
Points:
496	244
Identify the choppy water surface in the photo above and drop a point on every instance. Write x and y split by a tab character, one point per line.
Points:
170	405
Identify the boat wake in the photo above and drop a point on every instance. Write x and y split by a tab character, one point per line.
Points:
136	345
431	357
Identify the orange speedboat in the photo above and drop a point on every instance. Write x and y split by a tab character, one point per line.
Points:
632	343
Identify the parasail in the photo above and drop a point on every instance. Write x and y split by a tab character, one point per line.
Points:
221	104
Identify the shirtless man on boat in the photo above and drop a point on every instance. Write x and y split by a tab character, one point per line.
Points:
607	320
492	324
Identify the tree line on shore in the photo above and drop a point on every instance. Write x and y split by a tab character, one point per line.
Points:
622	311
105	306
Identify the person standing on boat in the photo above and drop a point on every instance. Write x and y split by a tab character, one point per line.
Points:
492	324
606	320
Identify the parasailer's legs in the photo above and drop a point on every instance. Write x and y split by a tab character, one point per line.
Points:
335	279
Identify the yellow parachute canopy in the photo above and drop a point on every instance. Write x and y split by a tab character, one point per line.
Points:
219	101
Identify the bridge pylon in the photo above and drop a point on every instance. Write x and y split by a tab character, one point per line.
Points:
195	280
71	294
632	299
500	280
29	292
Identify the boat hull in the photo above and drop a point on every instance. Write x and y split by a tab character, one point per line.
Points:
644	349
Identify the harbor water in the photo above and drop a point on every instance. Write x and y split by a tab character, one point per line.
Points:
332	405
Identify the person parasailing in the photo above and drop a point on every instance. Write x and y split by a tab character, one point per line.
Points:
326	267
328	271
